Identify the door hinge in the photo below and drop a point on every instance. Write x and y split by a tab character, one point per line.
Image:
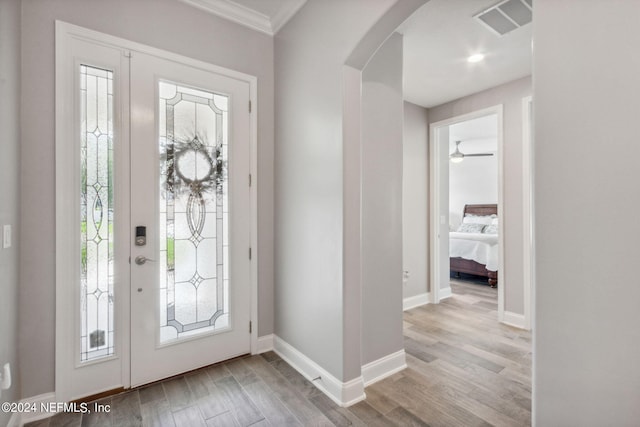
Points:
249	180
249	253
249	105
250	327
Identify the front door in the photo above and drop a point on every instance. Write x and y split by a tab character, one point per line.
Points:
153	213
190	213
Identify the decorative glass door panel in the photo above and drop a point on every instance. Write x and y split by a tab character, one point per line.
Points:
190	284
194	223
96	213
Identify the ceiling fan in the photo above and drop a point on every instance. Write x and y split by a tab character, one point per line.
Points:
457	156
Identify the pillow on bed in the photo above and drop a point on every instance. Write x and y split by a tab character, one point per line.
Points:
490	229
476	219
471	228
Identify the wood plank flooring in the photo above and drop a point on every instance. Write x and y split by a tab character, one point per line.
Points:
464	369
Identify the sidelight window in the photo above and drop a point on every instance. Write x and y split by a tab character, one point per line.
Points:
96	213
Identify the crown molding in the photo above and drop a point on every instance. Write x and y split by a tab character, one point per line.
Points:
248	17
235	12
286	12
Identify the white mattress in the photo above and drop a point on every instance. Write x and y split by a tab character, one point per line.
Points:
479	247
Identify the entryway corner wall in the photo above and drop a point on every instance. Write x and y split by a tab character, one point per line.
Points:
318	138
10	77
415	212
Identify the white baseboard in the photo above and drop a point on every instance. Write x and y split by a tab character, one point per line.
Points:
37	402
445	293
265	343
343	394
514	319
416	301
384	367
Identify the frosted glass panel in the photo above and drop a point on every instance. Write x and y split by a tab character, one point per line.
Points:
193	211
96	213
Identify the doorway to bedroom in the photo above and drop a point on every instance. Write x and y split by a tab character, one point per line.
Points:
473	206
466	205
473	201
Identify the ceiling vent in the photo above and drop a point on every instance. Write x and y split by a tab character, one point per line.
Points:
506	16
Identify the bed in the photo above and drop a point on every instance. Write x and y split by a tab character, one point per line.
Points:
473	248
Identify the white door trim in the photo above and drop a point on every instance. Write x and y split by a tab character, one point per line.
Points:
66	192
435	150
434	213
112	371
527	209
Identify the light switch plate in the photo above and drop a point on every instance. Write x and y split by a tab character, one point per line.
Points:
6	236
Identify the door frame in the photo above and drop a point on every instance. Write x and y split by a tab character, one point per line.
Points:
528	249
66	195
435	188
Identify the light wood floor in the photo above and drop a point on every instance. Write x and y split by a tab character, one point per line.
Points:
464	369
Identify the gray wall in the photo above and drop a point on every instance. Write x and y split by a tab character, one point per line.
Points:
382	120
9	191
166	24
310	52
586	109
510	95
475	180
415	195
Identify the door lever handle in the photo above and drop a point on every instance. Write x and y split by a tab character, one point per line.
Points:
141	259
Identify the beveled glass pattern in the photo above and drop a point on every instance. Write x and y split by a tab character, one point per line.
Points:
194	240
96	213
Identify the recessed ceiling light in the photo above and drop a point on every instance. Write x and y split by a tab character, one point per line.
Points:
476	58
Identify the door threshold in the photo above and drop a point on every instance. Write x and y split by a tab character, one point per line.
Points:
99	396
119	390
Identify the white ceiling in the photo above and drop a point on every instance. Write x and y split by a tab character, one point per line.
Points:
440	36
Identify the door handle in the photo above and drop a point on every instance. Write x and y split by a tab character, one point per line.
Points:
141	260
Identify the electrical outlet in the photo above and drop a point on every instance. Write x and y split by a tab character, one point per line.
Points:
6	236
5	377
